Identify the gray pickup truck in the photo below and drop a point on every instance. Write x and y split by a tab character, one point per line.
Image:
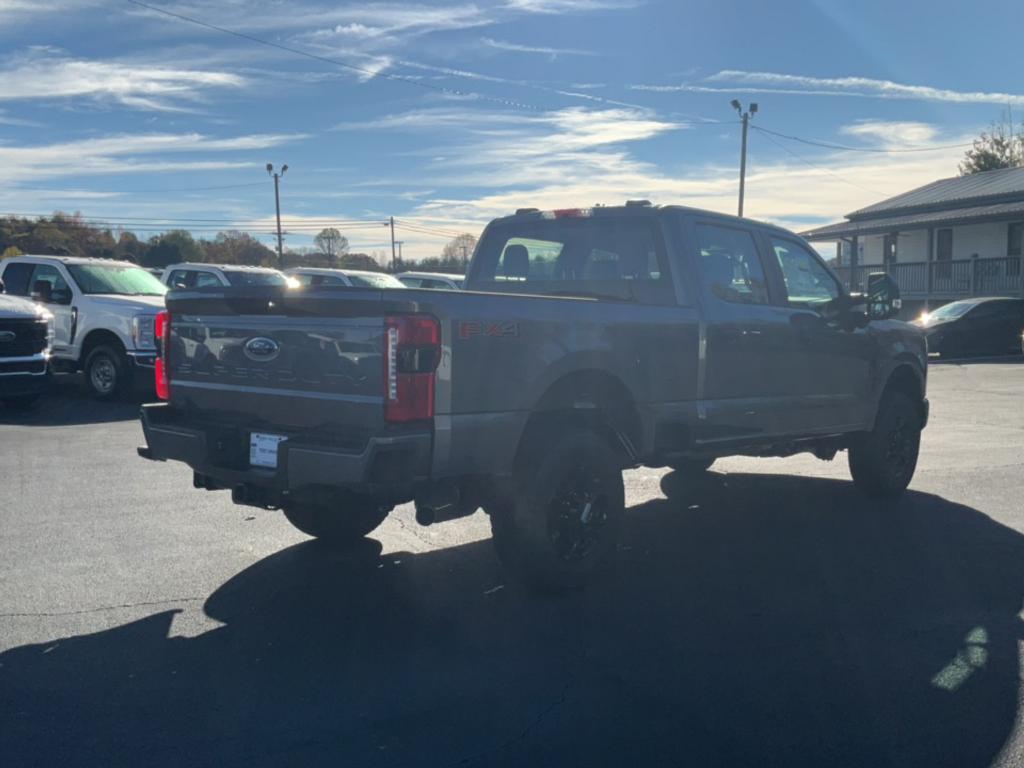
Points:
586	342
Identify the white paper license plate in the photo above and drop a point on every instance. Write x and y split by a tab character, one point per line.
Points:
263	449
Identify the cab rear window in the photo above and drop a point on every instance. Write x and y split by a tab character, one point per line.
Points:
613	258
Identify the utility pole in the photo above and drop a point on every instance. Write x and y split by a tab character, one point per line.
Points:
391	221
465	257
399	244
745	116
277	205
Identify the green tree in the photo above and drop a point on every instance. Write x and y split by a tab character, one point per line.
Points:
172	247
999	147
359	261
234	247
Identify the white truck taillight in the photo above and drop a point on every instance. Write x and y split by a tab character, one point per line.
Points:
162	337
412	351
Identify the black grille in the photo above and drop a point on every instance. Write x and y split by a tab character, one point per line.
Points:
37	367
29	337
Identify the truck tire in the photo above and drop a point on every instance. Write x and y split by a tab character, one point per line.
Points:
561	527
882	461
107	371
339	525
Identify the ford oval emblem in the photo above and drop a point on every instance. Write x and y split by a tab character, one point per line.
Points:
6	336
261	349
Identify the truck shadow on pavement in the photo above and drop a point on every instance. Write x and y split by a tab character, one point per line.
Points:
752	620
68	402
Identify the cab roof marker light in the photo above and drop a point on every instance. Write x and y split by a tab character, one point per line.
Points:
571	213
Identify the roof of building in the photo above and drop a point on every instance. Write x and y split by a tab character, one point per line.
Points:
954	192
988	195
946	217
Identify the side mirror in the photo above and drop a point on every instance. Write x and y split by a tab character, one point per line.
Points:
42	291
61	296
883	297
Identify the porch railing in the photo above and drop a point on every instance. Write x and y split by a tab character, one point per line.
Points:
958	278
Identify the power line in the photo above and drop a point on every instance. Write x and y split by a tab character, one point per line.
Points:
338	62
429	229
846	148
805	161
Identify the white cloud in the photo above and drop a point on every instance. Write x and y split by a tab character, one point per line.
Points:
138	153
43	74
569	6
519	48
894	134
580	157
774	82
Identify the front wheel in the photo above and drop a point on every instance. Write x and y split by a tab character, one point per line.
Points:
341	524
107	371
560	529
882	461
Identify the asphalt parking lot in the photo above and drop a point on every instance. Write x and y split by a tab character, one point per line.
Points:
767	616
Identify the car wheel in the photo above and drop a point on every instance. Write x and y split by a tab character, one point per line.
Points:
882	461
561	527
342	524
107	371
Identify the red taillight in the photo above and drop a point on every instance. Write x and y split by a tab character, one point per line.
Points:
162	336
412	351
571	213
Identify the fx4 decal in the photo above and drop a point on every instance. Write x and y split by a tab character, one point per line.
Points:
495	329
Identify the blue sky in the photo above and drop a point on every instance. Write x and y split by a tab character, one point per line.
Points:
454	112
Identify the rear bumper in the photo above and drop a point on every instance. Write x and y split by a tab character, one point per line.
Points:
387	465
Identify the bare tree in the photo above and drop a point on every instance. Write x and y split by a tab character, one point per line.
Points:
458	251
999	147
331	243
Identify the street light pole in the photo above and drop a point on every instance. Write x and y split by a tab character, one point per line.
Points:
745	116
391	222
277	205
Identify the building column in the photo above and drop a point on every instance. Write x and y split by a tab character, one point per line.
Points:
928	268
854	261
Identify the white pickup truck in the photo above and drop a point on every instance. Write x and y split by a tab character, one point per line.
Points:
103	315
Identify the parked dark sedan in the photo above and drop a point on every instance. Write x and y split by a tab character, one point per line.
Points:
990	326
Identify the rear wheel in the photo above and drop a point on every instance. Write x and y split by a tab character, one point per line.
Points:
883	460
344	523
107	371
561	527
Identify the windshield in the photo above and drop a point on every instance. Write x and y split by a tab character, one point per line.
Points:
127	280
952	311
375	281
245	277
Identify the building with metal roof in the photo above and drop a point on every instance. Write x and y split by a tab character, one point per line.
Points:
955	237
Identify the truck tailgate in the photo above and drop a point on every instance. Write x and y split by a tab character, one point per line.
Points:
267	358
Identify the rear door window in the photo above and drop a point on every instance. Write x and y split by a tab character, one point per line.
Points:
206	280
616	258
729	266
16	278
